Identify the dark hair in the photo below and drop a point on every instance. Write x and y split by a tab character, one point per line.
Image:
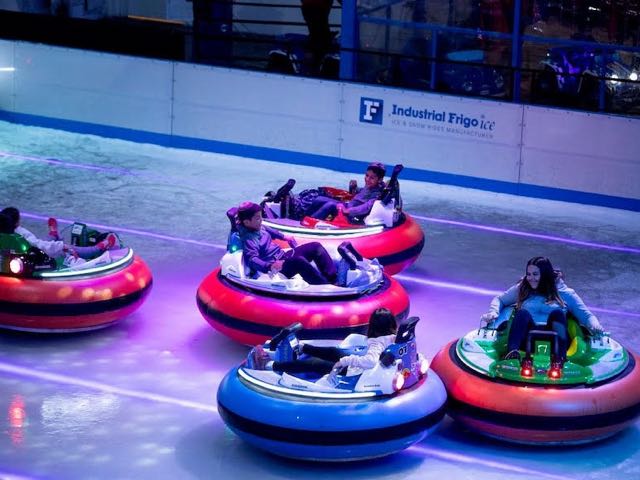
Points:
547	285
12	214
246	210
382	322
377	168
6	224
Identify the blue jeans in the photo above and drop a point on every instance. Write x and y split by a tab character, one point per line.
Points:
523	322
322	207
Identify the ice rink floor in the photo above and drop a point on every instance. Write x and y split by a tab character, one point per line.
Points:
138	400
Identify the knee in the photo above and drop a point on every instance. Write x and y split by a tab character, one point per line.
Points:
523	315
557	316
316	246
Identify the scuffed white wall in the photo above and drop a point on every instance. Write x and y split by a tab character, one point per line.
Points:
474	142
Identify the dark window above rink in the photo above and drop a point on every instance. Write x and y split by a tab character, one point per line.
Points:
573	54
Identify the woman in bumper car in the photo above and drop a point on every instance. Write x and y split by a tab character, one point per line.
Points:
541	300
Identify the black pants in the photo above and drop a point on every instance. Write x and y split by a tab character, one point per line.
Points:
322	360
523	322
299	261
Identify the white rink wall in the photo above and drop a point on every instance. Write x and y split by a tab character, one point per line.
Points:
504	147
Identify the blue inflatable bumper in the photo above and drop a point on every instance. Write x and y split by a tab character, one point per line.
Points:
325	429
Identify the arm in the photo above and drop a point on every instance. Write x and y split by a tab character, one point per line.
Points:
360	210
501	301
275	234
372	357
53	248
251	253
576	306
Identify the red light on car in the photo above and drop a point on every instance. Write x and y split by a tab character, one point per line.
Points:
554	373
526	372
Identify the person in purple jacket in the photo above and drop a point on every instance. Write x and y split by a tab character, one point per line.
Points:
261	254
361	203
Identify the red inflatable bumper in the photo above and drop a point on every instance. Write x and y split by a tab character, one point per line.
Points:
253	317
395	248
76	303
537	414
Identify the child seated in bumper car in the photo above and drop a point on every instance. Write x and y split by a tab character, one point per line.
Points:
323	203
54	247
325	359
261	254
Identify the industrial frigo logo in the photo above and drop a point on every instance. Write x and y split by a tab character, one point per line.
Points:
371	110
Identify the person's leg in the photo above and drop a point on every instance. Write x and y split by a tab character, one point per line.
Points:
309	273
90	252
557	322
315	252
311	365
520	326
322	207
316	16
87	252
330	354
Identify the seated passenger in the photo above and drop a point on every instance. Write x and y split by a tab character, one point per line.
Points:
54	247
312	202
361	203
261	254
322	360
542	301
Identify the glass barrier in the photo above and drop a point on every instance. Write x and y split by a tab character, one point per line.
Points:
582	54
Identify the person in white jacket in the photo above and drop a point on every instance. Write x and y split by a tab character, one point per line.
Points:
54	247
381	333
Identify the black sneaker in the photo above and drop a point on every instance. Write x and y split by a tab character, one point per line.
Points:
282	334
283	190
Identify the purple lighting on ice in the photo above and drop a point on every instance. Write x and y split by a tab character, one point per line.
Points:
132	231
101	387
55	161
498	465
519	233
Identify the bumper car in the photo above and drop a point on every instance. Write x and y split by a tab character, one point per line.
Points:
387	233
41	294
537	400
335	417
252	308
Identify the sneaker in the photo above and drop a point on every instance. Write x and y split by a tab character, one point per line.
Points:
268	197
258	358
512	355
283	191
109	242
53	228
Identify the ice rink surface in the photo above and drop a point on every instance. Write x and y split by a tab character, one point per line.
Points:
138	400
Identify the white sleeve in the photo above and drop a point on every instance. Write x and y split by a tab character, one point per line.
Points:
371	358
53	248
